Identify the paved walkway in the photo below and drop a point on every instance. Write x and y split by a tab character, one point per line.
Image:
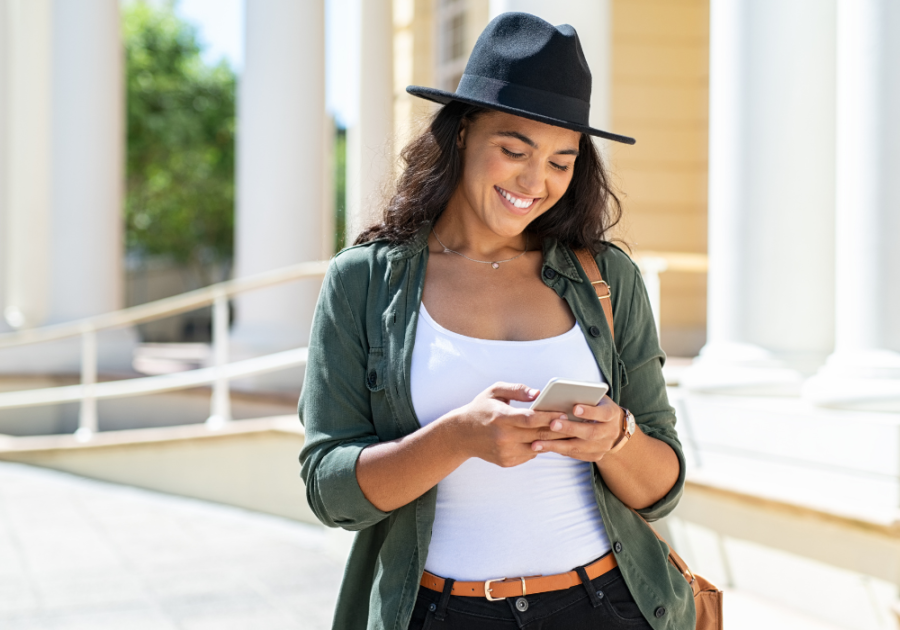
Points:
77	554
82	554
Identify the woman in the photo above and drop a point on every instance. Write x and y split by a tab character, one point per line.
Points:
431	338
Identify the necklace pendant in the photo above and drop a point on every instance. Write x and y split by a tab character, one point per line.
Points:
495	265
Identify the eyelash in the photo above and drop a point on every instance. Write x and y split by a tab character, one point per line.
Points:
518	155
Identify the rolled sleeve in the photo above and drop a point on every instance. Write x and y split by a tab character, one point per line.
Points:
644	386
336	412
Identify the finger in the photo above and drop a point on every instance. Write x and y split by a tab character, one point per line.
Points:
530	419
600	413
513	391
543	434
571	447
580	430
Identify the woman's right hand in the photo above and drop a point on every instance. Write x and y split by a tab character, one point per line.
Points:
391	474
491	429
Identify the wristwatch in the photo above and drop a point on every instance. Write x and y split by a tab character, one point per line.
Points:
628	428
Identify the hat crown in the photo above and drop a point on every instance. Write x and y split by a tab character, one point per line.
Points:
522	49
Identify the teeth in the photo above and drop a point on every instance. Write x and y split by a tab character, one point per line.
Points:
518	203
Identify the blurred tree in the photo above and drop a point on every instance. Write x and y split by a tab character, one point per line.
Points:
340	197
179	199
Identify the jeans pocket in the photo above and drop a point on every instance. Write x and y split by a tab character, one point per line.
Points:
620	604
423	615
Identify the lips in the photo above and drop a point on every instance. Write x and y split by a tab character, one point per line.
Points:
520	203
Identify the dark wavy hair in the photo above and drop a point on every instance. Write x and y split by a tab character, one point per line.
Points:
582	218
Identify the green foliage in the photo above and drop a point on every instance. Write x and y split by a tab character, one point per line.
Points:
340	187
180	157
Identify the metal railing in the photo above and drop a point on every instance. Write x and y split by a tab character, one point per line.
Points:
219	375
89	391
652	264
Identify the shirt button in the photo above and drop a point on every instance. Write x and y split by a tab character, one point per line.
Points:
659	612
432	607
372	379
617	547
521	604
549	273
595	332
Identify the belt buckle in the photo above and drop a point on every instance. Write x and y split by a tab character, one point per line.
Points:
487	589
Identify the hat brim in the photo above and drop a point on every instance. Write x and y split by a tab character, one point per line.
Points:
443	97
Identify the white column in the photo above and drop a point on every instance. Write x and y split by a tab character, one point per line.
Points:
771	158
88	159
26	239
4	92
86	274
864	371
370	152
592	20
280	169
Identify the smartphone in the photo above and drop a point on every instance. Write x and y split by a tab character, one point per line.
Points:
562	395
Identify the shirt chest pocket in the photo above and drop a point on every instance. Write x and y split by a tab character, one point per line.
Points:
375	370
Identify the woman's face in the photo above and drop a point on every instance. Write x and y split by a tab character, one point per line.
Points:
514	169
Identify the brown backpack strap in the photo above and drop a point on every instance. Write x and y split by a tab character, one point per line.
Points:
603	291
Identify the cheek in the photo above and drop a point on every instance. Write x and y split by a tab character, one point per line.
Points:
489	168
559	185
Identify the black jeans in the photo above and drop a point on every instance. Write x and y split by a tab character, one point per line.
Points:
604	602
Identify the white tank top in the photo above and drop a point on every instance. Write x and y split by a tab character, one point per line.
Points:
538	518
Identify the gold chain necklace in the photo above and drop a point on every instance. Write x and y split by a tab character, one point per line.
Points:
493	263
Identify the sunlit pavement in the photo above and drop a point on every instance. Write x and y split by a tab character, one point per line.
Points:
77	553
82	554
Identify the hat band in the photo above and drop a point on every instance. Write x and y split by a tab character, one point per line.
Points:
534	101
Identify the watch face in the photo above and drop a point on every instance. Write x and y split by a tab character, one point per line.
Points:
629	423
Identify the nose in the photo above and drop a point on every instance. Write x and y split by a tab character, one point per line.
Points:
530	179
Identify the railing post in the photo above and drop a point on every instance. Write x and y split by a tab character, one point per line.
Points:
87	417
220	406
651	267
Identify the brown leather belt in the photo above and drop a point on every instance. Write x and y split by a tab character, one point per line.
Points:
501	588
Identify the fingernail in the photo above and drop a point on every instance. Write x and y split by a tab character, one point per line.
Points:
564	417
579	410
532	392
538	447
556	426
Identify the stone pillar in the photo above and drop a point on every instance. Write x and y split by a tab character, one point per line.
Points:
280	169
26	239
864	371
771	158
63	236
86	275
88	160
370	151
592	20
4	141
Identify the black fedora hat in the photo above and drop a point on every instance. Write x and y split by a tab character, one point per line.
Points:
525	66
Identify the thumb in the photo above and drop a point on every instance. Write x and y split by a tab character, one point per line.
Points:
512	391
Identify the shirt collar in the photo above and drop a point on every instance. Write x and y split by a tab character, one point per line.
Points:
559	258
412	247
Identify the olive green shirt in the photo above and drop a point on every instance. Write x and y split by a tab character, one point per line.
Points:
357	392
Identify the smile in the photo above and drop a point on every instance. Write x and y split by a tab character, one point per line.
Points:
518	202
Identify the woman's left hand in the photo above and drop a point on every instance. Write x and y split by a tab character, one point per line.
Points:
588	441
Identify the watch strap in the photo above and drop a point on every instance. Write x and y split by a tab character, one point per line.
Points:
626	434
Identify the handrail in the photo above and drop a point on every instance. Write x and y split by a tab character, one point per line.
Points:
154	384
164	307
652	263
89	391
676	261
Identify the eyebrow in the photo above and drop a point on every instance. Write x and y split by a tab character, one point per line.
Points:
531	143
